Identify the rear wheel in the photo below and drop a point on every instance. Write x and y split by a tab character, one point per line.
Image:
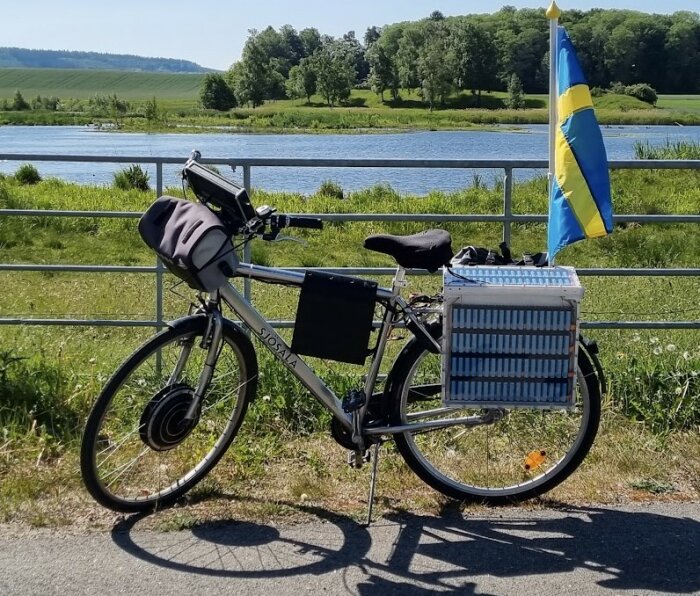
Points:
138	451
509	455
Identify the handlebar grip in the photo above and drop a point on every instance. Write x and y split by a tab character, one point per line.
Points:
292	221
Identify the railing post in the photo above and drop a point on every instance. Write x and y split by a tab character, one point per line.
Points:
246	248
507	204
159	266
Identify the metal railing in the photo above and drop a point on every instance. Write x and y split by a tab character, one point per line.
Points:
507	218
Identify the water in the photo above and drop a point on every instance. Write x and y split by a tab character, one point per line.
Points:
526	142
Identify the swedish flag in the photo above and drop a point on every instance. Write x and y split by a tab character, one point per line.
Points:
580	205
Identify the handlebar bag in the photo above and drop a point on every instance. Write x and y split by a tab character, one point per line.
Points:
191	241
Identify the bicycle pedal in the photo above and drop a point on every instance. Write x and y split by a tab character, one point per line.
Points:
357	458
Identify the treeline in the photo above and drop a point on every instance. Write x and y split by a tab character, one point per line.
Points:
25	58
439	55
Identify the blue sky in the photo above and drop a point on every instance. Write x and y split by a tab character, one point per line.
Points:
213	33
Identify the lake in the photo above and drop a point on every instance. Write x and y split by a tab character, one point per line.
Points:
525	142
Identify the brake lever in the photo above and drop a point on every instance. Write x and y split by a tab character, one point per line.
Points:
280	238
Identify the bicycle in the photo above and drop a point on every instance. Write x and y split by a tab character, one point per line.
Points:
171	410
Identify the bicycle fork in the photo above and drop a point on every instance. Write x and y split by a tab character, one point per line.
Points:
211	341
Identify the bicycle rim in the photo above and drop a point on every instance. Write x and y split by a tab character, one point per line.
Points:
522	455
137	450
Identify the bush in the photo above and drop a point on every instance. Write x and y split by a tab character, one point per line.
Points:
617	88
642	91
329	188
27	174
515	100
597	92
132	178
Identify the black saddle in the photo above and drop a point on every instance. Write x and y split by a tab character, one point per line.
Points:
427	250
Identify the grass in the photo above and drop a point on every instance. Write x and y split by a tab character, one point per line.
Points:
177	97
83	84
49	376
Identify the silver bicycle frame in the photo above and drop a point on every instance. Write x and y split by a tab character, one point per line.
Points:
272	340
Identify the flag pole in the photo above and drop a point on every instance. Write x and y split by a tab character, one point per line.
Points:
553	13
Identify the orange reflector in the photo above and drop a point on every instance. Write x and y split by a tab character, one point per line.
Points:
534	460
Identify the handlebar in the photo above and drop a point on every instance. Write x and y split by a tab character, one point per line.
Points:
293	221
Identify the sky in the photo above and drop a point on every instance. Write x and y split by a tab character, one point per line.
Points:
213	33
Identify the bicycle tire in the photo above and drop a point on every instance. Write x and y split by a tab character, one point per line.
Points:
136	453
487	463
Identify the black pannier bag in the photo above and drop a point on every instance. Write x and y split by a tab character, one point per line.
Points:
334	317
191	240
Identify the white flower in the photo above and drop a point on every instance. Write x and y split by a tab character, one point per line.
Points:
266	398
658	350
636	337
679	390
671	347
653	340
686	355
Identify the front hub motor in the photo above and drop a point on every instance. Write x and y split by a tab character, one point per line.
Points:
163	425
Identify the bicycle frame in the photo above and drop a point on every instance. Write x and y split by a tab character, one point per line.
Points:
295	363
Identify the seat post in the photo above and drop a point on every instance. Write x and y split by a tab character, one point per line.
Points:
399	280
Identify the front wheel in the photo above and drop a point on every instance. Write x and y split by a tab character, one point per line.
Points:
138	449
508	455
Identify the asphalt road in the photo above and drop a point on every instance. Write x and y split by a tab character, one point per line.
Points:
645	549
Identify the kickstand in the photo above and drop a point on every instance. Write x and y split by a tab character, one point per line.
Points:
372	483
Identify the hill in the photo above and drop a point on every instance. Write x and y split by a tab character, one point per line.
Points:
83	84
25	58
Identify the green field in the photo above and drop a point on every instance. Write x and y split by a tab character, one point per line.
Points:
83	84
177	97
49	376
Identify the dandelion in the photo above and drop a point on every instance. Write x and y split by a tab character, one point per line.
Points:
671	347
653	340
679	390
686	355
658	350
636	337
92	360
266	398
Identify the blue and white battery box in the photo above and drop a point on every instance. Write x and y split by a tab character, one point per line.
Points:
510	336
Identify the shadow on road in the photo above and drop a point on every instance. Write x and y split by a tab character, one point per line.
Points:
419	554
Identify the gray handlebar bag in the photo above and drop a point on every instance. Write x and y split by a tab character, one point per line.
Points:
191	240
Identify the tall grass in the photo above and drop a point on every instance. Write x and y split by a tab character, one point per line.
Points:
669	150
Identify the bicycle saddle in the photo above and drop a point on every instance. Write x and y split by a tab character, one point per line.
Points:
426	250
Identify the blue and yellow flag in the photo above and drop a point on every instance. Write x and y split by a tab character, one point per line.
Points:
580	205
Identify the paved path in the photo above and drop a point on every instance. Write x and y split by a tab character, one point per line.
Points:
587	550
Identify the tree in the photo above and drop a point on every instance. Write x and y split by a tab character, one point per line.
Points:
310	41
151	110
407	57
436	15
335	72
19	103
250	78
357	53
476	57
515	99
302	81
371	35
215	93
380	69
436	68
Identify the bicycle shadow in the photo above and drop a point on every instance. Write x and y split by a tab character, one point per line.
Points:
623	550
